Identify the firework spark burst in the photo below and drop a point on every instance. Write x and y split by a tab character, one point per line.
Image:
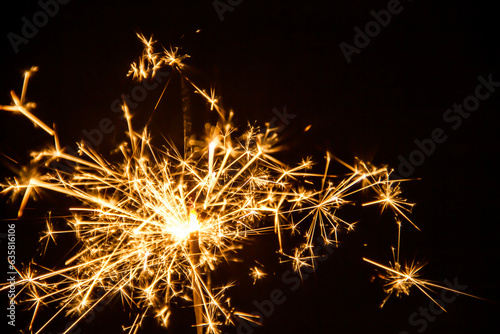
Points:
154	226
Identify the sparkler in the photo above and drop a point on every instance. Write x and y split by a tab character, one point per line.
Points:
153	227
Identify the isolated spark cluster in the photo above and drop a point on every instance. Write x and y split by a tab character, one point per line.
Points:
153	227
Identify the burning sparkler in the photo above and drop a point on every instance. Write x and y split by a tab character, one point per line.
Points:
152	227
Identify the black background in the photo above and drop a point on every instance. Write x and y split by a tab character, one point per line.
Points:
271	54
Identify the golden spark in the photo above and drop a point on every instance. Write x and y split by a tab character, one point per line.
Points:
152	227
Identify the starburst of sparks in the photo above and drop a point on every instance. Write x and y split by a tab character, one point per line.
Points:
257	273
152	227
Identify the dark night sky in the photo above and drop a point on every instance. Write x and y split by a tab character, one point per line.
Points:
271	54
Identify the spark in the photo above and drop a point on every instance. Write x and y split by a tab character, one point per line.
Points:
399	280
153	226
257	273
389	196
